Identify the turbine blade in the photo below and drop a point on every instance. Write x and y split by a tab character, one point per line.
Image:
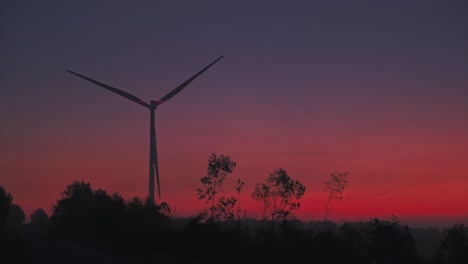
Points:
187	82
112	89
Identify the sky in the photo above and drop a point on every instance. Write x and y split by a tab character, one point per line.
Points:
376	88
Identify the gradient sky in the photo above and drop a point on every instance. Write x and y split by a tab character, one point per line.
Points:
378	88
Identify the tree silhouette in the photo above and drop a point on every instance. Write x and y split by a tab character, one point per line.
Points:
453	247
102	219
5	204
263	195
84	214
144	230
11	244
224	209
39	216
279	195
40	223
240	214
218	168
142	223
72	213
392	242
335	187
15	218
11	217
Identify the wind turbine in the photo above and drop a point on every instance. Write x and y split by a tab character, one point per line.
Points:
152	105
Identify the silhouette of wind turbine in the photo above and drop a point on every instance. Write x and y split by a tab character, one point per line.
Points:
153	160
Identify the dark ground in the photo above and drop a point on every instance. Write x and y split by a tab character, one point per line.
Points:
31	249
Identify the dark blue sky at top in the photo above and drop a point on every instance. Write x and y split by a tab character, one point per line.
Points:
380	41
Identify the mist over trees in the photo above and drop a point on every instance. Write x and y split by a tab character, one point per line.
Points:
84	219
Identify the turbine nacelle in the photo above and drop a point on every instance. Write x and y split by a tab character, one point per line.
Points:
154	104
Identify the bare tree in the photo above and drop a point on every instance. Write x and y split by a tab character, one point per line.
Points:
218	168
240	214
335	187
263	196
279	195
224	208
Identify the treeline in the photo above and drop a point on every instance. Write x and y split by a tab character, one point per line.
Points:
223	233
136	226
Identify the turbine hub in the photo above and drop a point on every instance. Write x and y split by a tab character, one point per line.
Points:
154	104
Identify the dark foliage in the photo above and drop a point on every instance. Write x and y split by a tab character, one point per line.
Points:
106	220
5	204
453	248
145	230
40	224
11	219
